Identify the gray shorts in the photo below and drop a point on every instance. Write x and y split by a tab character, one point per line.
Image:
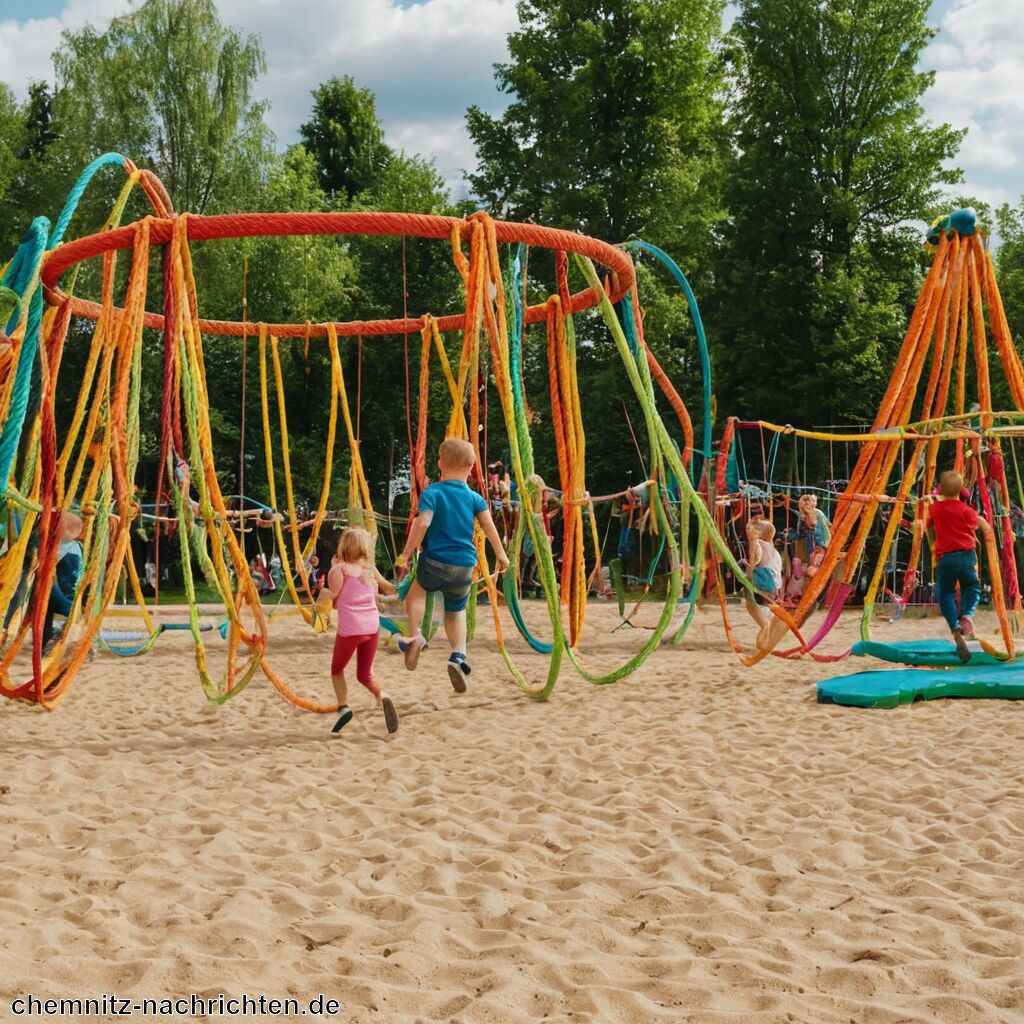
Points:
452	580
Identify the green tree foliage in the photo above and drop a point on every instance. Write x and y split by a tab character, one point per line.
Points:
817	271
12	131
39	128
287	280
611	117
171	85
345	137
614	129
1010	265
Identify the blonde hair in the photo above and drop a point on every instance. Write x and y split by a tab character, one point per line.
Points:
808	499
455	453
356	545
950	483
767	530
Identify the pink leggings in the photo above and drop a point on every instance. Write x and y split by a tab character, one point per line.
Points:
365	648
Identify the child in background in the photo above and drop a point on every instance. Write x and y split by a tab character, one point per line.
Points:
812	526
537	492
65	582
766	568
955	524
354	582
443	526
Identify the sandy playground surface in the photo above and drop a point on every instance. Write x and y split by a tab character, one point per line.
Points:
703	843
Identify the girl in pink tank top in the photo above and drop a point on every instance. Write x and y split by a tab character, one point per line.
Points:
354	583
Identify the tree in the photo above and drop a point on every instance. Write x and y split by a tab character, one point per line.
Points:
1009	261
613	116
614	129
424	268
818	270
345	137
38	117
11	133
170	86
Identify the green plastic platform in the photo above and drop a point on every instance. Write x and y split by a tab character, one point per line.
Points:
889	688
932	653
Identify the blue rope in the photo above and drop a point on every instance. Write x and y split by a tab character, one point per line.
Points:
20	274
526	452
76	193
23	268
702	342
773	454
629	326
516	334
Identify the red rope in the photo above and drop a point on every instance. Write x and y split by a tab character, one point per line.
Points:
245	225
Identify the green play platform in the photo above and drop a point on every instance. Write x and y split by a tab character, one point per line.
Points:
932	653
889	688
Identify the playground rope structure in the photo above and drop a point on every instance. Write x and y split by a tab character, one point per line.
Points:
958	309
93	467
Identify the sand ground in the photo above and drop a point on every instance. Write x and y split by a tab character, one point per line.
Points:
702	843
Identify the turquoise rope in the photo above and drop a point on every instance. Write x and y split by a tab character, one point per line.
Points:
20	275
22	278
702	342
629	329
76	193
508	586
509	583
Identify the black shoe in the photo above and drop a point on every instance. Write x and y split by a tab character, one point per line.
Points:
390	714
458	669
344	717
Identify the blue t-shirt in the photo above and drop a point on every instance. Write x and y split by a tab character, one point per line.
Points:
449	538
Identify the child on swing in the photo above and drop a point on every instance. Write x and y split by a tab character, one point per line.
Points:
354	582
766	571
955	524
448	510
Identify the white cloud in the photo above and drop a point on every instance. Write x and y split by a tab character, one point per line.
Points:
425	63
978	58
26	45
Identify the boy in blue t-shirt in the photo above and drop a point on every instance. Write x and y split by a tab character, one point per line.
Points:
443	527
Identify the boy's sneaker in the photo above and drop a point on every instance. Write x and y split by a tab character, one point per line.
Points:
963	652
458	669
967	627
344	717
411	649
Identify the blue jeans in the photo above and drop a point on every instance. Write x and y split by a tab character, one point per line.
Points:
958	567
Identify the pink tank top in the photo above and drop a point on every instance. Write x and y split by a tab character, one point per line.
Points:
357	602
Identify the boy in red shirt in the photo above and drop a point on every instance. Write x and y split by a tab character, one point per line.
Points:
955	524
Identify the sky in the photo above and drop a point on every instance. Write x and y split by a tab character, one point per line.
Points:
427	61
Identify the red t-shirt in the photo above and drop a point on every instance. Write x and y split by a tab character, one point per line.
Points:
954	524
